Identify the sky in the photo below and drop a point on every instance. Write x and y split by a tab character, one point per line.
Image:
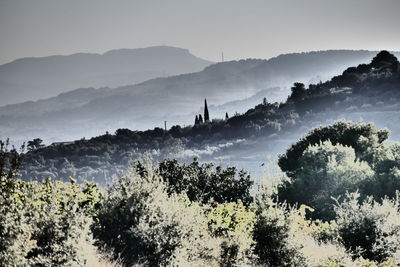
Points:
238	28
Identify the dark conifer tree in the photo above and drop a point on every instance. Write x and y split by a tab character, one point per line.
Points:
226	116
206	114
196	120
200	119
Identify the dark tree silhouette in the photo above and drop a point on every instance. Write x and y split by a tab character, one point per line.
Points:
206	114
200	119
298	92
196	120
265	102
35	144
226	116
384	59
228	184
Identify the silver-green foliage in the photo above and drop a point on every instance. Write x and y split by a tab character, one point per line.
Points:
331	160
141	223
326	170
370	229
44	224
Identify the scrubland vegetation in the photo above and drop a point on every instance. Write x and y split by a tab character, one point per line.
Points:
337	204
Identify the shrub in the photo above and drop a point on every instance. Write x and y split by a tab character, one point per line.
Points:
332	160
364	138
277	241
45	224
205	183
387	169
284	237
326	170
141	223
232	225
370	229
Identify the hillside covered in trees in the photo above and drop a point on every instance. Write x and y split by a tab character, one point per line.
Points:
337	203
370	91
92	111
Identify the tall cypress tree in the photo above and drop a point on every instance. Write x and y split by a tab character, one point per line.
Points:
200	118
226	116
196	120
206	114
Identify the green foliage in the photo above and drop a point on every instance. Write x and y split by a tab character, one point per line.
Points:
45	224
326	170
225	219
370	229
10	162
331	160
232	224
197	214
362	137
277	242
42	224
387	172
325	232
204	183
284	237
140	222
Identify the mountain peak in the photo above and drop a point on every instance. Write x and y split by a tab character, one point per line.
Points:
44	77
150	49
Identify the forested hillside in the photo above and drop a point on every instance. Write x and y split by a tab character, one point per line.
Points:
89	112
369	91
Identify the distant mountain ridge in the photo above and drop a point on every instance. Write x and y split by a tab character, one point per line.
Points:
90	112
43	77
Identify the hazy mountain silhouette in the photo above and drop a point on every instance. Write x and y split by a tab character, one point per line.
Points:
43	77
89	112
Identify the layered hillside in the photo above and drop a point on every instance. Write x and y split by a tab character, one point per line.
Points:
28	79
370	91
89	112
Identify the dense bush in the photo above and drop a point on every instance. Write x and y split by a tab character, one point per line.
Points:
205	183
42	224
276	243
387	172
232	225
284	237
364	138
326	171
139	222
45	224
370	229
331	160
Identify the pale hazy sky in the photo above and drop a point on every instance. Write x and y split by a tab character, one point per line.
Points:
239	28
